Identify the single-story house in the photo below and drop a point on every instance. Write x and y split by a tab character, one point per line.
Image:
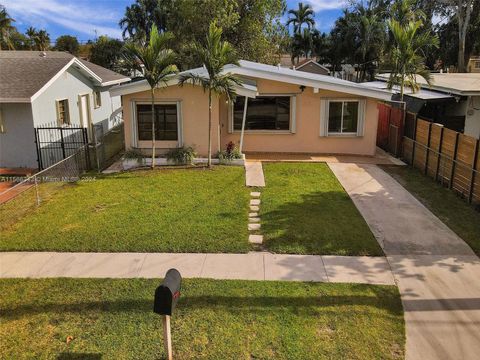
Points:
473	65
277	110
453	100
50	88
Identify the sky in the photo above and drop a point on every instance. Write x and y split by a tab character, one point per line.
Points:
87	19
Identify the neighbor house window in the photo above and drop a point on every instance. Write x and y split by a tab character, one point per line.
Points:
477	64
343	117
63	115
97	99
263	113
2	123
166	125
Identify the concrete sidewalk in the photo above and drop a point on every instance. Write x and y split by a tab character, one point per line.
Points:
251	266
437	273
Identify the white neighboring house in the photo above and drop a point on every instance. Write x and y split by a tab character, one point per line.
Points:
50	88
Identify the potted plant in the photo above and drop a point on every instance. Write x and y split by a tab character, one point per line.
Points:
133	158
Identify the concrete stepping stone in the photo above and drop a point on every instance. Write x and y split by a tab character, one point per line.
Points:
255	239
255	194
254	219
254	174
254	208
253	227
255	202
253	214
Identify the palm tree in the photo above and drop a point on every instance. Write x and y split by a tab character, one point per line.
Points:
371	36
6	29
408	54
303	15
42	40
157	62
214	55
32	36
141	16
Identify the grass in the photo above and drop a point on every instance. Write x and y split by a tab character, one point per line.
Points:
177	210
305	210
456	213
113	319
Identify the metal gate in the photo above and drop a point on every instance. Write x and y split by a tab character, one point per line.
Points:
57	143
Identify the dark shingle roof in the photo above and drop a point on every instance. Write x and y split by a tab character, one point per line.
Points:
23	73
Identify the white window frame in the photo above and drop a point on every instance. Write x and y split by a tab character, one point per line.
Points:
292	121
134	104
325	117
97	102
67	112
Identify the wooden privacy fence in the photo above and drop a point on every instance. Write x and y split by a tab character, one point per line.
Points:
449	157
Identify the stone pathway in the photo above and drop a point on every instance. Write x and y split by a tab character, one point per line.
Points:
254	219
254	174
437	273
251	266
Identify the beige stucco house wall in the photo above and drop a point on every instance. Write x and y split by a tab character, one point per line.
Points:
192	109
306	138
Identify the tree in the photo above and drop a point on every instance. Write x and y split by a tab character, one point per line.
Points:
67	43
303	15
42	40
214	54
31	35
108	53
407	55
463	11
141	16
370	38
6	29
157	62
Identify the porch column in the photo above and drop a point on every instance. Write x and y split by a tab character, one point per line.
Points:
243	123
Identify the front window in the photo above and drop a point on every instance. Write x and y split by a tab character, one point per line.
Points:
165	122
343	117
63	114
263	113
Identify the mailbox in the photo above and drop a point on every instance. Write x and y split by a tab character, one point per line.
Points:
167	294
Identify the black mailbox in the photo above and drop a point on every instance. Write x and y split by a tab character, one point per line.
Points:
167	294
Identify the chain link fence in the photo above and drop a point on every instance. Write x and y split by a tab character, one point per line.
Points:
28	193
108	145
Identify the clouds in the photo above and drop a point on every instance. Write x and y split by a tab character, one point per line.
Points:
319	5
83	17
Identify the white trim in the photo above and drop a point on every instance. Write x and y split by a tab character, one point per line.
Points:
178	103
325	113
52	80
292	122
115	82
79	66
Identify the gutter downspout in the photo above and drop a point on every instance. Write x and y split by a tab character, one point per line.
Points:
243	123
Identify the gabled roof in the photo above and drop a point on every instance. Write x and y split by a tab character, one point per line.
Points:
276	73
25	74
463	84
310	61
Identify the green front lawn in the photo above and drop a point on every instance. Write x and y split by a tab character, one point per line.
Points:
456	213
179	210
113	319
305	210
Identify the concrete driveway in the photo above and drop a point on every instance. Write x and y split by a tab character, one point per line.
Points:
437	273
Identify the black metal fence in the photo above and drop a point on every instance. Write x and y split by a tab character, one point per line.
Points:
56	143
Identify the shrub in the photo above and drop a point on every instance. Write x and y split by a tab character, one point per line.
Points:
230	153
182	155
134	154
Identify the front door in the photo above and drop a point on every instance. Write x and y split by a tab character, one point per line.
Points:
84	109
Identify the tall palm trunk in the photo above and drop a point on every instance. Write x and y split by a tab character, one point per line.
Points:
153	126
209	161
